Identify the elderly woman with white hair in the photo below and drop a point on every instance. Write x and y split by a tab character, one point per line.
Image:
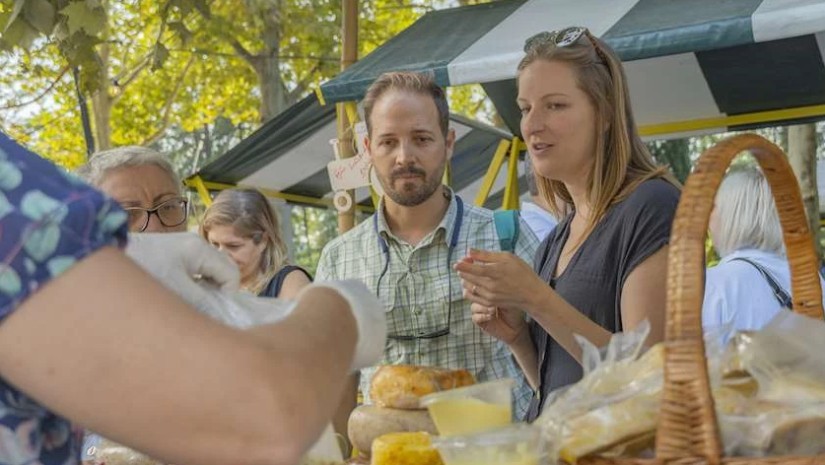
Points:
144	183
751	283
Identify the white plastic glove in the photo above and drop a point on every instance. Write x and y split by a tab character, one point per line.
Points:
186	264
370	320
204	278
325	449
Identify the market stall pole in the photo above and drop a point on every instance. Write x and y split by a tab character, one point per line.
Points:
346	112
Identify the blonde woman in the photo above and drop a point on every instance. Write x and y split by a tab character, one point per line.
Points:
603	269
241	223
752	282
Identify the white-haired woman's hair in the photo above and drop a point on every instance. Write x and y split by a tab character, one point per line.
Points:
100	163
746	214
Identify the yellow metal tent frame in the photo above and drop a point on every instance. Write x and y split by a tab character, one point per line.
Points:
510	150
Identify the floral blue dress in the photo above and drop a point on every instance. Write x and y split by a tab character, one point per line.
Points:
49	220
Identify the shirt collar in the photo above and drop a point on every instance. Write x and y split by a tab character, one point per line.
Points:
749	253
446	225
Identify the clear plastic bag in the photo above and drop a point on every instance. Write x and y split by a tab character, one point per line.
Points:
614	408
243	310
786	414
582	418
326	451
101	451
787	359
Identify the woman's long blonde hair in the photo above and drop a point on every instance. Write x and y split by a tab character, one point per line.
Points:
248	211
622	161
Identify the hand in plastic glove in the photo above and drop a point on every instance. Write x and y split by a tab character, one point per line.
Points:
370	320
182	262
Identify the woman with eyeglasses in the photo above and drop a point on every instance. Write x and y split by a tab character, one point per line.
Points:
242	223
603	269
144	183
87	337
146	186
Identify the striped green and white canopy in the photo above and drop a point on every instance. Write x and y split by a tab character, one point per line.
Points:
692	65
289	155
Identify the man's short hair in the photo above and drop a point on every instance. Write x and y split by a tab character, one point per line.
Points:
101	163
419	83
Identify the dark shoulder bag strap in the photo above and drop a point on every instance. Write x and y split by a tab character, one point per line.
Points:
273	288
782	297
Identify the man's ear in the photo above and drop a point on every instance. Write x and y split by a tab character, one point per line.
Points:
367	150
449	143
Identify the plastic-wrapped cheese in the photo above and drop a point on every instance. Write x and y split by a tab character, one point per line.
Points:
404	449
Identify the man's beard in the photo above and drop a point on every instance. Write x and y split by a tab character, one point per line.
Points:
409	194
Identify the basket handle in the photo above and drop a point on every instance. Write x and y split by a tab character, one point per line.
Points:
687	422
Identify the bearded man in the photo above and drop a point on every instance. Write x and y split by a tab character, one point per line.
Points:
405	252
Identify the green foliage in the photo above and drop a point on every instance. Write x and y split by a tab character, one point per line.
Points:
673	153
155	70
312	228
471	101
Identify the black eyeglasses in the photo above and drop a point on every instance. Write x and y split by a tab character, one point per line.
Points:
385	249
423	334
563	38
172	212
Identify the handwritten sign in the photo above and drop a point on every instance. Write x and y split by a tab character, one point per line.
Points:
350	173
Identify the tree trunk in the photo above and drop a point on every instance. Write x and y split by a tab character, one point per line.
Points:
267	64
802	155
782	138
102	103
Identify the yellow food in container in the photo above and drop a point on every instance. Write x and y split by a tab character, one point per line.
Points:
471	409
404	449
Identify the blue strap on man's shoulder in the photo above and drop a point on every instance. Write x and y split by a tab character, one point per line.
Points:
507	228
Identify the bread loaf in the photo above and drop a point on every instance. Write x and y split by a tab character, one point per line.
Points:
401	386
368	422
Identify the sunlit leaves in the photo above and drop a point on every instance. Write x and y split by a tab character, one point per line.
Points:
171	68
81	17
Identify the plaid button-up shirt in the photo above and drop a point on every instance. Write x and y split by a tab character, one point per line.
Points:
419	288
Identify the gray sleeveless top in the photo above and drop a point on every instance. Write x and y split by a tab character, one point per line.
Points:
631	231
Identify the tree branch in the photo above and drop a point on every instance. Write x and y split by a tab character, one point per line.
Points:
167	107
139	66
301	86
127	50
122	84
200	51
241	51
40	95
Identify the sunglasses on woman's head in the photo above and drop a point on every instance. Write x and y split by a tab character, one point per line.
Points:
563	38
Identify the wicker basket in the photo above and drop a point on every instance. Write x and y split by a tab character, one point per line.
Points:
688	433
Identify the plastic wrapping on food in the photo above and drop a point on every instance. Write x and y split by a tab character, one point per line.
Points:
786	359
101	451
326	450
785	415
615	406
244	310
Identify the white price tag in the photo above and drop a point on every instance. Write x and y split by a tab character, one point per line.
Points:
350	173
